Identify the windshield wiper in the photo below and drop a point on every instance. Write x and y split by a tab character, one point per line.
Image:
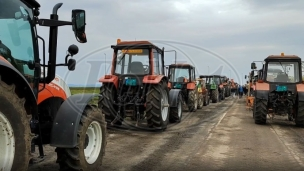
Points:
283	68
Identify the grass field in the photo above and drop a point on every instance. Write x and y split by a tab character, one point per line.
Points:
79	90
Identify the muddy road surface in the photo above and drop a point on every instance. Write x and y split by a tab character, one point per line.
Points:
220	136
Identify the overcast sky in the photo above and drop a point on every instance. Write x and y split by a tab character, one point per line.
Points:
219	35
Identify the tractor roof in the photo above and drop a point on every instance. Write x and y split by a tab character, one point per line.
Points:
181	65
32	3
208	76
282	57
135	45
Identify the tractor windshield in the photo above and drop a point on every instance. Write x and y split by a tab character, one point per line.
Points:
287	72
178	74
216	80
132	61
16	40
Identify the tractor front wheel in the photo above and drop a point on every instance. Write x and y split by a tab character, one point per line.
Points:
192	100
15	138
91	142
157	109
176	113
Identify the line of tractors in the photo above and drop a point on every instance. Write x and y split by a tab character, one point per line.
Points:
37	107
141	88
277	88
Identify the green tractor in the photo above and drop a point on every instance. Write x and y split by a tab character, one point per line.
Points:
215	87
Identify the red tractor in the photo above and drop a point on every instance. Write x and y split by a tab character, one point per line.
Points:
182	80
137	87
30	112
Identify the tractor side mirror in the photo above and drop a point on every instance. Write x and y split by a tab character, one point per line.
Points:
73	50
78	24
245	76
253	66
71	64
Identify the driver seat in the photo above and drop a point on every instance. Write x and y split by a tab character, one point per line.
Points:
282	78
136	67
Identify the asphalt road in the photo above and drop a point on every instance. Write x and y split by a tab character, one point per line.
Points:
220	136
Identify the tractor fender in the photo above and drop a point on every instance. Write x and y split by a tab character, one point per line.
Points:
66	122
173	94
152	79
191	86
12	75
109	79
56	88
262	90
300	90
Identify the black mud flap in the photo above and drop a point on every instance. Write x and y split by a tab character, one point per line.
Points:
301	96
262	94
66	122
173	97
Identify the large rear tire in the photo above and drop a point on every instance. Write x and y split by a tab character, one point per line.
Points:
176	113
260	111
91	142
299	120
223	94
156	112
15	133
226	92
192	100
105	104
214	96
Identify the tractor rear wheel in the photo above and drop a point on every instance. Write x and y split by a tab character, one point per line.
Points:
105	104
15	133
214	96
91	142
223	94
201	101
299	120
157	109
260	111
226	92
176	113
206	100
192	100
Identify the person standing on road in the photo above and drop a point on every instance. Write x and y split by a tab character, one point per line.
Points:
241	91
236	90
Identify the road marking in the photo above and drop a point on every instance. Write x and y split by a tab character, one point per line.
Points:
211	129
290	149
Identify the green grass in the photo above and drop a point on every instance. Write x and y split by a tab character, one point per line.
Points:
77	90
80	90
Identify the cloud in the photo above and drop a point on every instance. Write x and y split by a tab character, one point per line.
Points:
239	31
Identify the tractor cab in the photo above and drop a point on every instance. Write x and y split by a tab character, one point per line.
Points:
215	86
281	69
224	79
180	75
134	61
